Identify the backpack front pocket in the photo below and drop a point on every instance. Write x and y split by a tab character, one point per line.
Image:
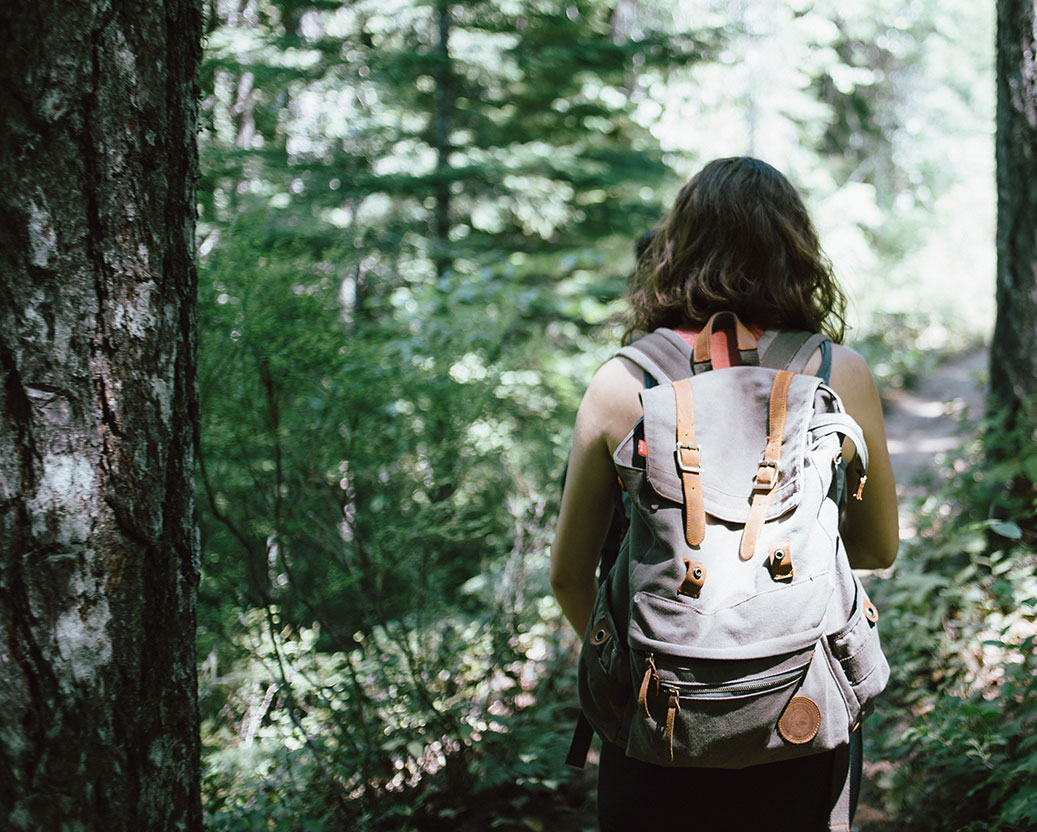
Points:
604	675
712	712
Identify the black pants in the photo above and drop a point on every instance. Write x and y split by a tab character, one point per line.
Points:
790	796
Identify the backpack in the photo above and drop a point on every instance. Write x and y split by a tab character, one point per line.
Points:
730	630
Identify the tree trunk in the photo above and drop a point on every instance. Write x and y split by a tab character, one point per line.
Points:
98	549
441	126
1013	368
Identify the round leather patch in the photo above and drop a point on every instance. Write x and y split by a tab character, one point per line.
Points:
801	720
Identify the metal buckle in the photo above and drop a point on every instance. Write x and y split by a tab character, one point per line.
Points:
765	463
688	469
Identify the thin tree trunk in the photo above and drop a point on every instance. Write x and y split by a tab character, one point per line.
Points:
1013	368
441	124
98	548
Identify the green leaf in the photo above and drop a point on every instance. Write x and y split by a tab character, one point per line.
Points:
1005	528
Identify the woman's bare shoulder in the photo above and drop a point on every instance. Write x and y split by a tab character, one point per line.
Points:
851	377
611	406
848	357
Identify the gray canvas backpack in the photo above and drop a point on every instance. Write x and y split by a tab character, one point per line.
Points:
731	631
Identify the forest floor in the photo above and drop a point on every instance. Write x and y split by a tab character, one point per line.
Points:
925	425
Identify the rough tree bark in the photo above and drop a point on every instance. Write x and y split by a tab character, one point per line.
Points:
98	548
1013	370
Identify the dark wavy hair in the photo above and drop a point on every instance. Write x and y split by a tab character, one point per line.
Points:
738	239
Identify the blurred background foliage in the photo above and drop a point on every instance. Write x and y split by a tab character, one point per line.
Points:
416	221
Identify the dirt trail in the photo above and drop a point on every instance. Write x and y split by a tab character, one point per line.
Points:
922	425
932	419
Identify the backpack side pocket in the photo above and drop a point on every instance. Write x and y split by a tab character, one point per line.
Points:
857	659
606	694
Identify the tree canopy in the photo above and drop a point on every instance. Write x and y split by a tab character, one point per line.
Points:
416	223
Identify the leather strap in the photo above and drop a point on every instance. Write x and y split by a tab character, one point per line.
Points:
745	341
780	561
688	463
694	578
673	707
767	473
651	675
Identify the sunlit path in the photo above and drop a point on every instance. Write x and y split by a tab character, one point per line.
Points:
930	420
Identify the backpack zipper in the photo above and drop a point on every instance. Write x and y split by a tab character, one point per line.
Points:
695	690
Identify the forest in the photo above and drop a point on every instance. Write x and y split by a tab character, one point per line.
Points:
301	299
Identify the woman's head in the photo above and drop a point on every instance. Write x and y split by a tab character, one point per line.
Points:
738	238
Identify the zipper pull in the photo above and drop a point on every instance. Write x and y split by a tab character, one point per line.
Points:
642	695
860	488
673	707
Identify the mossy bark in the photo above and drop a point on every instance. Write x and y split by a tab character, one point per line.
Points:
98	547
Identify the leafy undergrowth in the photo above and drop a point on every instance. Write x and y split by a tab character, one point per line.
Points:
955	738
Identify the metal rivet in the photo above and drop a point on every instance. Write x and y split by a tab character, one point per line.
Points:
778	555
601	635
696	573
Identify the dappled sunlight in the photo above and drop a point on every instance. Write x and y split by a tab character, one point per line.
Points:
416	223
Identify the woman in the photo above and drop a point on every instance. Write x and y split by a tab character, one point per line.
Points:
738	239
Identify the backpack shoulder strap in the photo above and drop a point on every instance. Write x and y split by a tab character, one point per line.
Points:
781	350
663	354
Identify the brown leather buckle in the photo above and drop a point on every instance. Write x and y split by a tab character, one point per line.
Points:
690	466
766	476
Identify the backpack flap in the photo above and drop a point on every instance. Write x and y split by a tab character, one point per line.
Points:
731	423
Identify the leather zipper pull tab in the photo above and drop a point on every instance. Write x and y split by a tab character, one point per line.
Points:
642	694
859	495
673	707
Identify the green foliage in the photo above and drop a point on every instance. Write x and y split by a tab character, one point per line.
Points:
960	626
412	258
374	610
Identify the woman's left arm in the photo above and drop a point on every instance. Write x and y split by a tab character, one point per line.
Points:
870	526
587	504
